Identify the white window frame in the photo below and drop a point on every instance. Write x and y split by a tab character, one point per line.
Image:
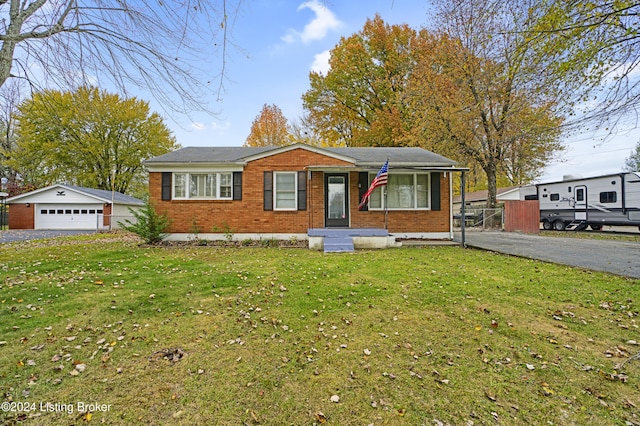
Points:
378	192
295	191
187	183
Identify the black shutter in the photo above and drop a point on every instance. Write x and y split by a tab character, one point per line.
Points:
166	186
268	190
435	191
237	185
302	190
363	186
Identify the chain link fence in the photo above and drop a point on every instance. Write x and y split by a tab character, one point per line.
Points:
482	218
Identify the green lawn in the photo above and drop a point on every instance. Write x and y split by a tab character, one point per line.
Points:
410	336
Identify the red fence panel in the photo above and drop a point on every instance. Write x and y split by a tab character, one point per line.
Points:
522	216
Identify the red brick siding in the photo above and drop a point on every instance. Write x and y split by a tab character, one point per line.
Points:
21	216
402	220
248	215
106	218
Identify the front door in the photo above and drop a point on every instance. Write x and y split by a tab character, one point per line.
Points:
581	203
336	200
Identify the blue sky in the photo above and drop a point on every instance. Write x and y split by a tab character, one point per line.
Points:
280	41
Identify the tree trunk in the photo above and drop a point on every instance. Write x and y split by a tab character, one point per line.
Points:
492	190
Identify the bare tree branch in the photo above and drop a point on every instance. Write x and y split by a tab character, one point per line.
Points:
174	48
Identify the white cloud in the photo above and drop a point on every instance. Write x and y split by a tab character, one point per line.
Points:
197	126
220	126
321	62
318	27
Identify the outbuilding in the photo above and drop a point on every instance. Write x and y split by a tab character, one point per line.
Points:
63	206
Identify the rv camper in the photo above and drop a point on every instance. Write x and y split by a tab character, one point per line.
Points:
575	203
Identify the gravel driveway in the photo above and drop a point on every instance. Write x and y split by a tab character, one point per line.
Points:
13	235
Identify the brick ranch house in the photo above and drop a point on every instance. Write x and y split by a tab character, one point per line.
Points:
297	191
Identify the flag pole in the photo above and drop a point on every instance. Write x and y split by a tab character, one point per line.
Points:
386	211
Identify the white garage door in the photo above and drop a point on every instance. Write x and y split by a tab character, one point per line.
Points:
68	216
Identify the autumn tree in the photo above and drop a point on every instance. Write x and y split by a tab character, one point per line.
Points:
359	101
270	128
144	43
482	91
88	138
390	85
594	49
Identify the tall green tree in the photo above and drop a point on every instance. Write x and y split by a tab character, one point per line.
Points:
88	138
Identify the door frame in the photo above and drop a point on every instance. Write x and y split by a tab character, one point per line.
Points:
580	207
336	223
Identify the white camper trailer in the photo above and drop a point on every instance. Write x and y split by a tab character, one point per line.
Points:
575	203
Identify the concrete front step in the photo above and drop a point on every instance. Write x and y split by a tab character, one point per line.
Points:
338	245
361	238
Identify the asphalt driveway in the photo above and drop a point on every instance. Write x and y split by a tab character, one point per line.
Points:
14	235
616	257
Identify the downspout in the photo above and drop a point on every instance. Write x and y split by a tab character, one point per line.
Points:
450	205
463	209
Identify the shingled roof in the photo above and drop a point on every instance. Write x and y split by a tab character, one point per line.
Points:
102	195
363	157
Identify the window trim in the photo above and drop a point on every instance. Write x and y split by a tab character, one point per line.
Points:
295	190
187	184
383	201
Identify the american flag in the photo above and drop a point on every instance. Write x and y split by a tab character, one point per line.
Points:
379	180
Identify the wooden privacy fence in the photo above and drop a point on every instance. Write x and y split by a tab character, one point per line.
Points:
522	216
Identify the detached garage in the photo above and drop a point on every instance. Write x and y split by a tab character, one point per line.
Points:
70	207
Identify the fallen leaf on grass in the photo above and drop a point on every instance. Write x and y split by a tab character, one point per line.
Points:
320	417
546	390
172	354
